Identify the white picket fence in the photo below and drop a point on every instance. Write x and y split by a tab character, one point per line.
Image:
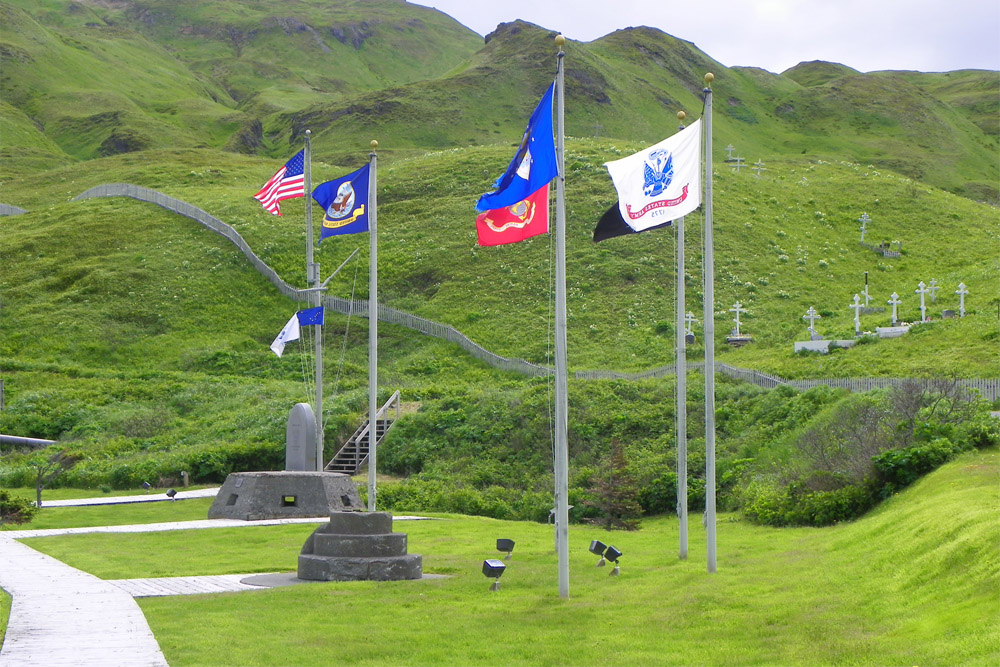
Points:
988	388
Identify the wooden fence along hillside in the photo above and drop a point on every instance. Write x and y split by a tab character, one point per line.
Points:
988	388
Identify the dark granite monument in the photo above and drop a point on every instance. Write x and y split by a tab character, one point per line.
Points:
358	546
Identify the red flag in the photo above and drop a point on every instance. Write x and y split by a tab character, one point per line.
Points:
526	218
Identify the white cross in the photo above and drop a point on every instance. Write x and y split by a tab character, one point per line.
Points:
812	316
689	321
922	290
737	308
894	301
738	164
729	152
933	288
864	220
857	314
864	293
961	292
759	167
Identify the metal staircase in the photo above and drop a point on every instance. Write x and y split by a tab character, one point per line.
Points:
354	454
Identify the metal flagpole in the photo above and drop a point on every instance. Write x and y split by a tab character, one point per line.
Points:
682	504
372	329
316	299
561	400
709	336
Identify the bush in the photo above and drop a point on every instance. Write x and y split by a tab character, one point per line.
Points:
15	510
897	468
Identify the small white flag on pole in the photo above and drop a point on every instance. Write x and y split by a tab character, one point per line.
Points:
289	333
662	182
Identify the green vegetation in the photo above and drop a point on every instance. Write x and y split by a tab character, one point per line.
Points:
912	583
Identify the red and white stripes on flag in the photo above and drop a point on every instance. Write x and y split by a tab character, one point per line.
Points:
287	183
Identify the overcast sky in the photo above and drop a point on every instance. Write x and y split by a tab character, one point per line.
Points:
867	35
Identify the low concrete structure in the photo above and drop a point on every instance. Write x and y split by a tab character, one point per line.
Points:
358	546
252	496
822	345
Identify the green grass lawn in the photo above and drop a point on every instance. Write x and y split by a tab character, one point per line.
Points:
912	583
117	515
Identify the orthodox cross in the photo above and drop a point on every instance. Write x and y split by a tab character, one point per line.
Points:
737	308
933	289
857	314
812	316
689	321
961	292
759	167
894	301
729	152
864	220
922	290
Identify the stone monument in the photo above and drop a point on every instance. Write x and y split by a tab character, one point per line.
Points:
252	496
358	546
300	438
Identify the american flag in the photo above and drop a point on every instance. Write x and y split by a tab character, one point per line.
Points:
287	183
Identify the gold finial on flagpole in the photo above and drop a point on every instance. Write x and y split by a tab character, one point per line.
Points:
681	116
560	40
709	78
374	144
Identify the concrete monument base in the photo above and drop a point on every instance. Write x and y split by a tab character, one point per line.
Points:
821	345
358	546
252	496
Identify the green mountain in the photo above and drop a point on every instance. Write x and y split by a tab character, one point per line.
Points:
144	336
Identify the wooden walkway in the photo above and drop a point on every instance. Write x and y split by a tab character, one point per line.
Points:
62	617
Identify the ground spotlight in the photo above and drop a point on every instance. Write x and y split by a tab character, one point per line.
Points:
146	486
506	545
613	555
597	548
494	568
171	493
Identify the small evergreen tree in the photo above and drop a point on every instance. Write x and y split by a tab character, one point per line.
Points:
15	510
616	492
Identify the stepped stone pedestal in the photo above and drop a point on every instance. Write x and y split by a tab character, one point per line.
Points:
358	546
283	494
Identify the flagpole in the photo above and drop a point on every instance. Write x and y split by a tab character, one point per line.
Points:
372	329
682	505
316	298
561	463
709	315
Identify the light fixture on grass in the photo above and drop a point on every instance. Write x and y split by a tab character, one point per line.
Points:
613	555
146	487
494	568
505	545
171	493
598	548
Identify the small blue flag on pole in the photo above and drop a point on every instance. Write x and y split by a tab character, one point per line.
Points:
311	316
534	164
345	204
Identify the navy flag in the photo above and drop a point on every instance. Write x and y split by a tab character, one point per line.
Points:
345	204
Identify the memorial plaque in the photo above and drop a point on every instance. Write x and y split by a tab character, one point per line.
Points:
300	439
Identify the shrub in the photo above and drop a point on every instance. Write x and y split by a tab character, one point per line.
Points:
15	510
897	468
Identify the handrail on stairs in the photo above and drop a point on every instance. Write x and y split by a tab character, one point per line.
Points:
367	427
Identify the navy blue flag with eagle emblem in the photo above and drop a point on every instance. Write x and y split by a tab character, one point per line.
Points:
345	204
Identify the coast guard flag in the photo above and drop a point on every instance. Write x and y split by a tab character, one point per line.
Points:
287	183
534	164
660	183
345	204
290	331
523	220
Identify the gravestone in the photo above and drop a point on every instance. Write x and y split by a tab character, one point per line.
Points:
864	220
948	314
689	322
922	290
300	438
961	292
759	167
812	316
358	546
857	314
894	301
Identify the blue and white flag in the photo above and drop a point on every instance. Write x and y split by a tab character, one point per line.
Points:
289	333
534	164
660	183
345	204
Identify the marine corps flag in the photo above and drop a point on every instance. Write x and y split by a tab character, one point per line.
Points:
345	204
526	218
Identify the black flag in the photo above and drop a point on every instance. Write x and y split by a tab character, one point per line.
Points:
612	224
